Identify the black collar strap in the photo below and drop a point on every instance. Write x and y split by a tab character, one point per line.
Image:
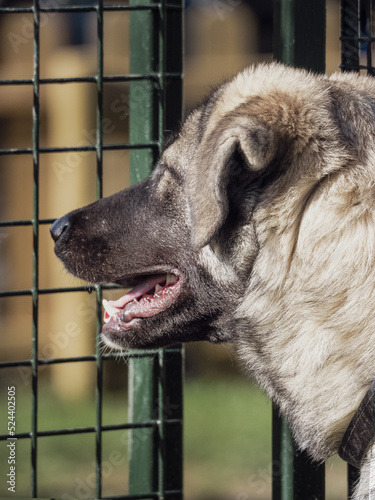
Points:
360	433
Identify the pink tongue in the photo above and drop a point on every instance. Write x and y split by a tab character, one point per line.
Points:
138	291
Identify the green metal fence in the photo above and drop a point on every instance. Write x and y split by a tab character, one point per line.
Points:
155	377
155	468
299	40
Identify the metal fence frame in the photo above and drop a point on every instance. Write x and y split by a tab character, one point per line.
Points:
159	415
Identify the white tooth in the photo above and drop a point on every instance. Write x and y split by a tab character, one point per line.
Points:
110	309
171	278
157	288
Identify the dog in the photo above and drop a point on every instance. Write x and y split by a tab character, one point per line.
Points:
256	227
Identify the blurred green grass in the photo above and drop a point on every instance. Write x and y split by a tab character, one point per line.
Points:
227	440
227	444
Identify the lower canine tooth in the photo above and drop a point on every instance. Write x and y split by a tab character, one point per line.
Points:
110	309
157	288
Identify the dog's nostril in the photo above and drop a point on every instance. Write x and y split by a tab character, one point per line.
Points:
59	227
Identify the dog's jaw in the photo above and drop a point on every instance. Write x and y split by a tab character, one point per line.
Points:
153	295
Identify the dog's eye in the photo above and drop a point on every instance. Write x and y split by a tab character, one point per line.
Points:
167	172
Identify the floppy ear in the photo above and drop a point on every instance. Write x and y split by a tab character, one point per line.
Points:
214	166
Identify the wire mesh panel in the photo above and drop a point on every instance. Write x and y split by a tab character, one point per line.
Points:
357	35
154	430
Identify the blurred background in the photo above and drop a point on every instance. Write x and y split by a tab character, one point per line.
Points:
227	421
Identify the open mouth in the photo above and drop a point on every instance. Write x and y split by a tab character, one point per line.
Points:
152	295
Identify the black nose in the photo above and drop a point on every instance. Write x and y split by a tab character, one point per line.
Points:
59	227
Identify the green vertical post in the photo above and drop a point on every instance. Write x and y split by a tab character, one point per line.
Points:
349	33
294	475
170	360
143	371
35	258
143	406
350	48
299	40
300	33
99	193
155	384
282	465
170	426
143	127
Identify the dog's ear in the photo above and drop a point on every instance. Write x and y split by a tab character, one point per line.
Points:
216	163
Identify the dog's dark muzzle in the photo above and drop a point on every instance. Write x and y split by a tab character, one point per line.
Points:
60	226
81	247
125	234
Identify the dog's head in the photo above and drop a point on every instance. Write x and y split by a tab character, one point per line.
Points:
184	238
256	226
143	238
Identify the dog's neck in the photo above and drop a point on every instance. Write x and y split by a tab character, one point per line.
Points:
360	433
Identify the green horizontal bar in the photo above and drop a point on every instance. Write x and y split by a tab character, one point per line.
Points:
11	223
87	8
93	79
52	361
15	293
46	291
114	355
148	145
363	38
16	151
14	364
21	435
16	10
77	8
21	293
91	429
94	357
56	361
168	6
84	288
26	222
81	430
68	149
143	496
